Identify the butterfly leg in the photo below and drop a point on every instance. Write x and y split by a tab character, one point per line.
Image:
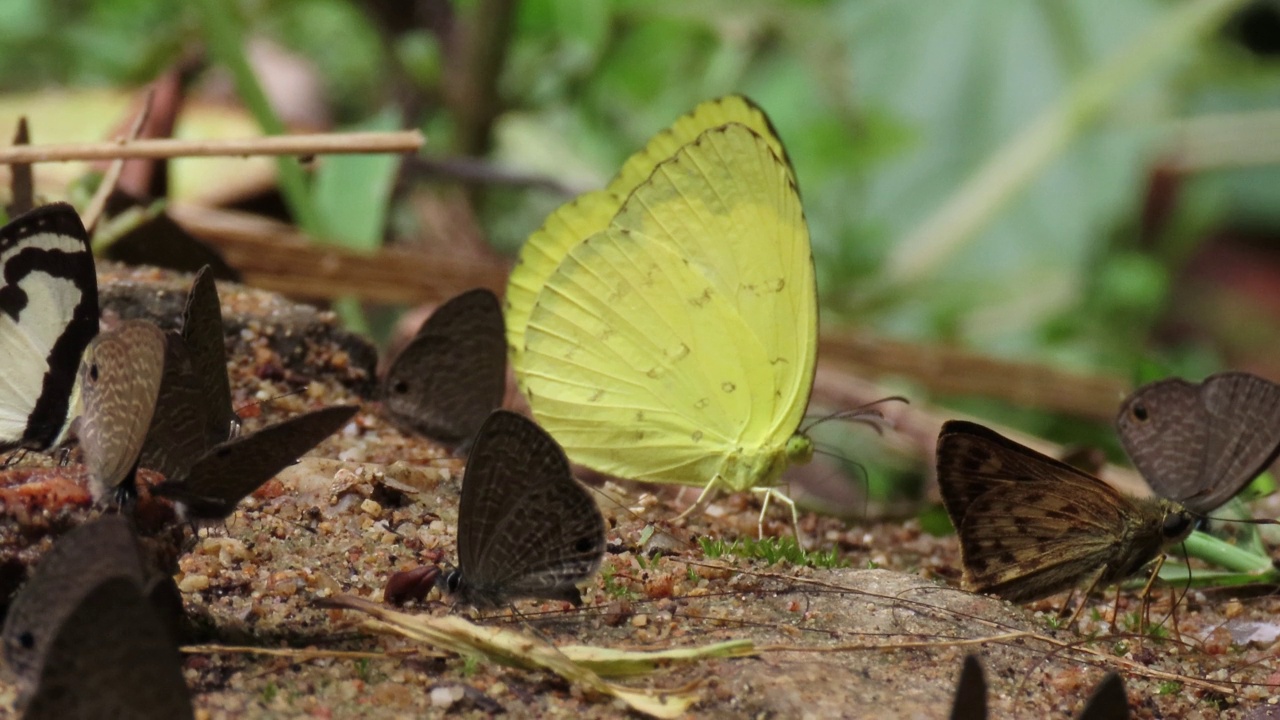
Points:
14	458
769	494
1144	616
703	497
1084	600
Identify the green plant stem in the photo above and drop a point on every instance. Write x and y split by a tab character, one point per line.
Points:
968	211
1223	554
226	43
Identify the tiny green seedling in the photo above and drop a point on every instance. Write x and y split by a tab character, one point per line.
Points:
612	587
772	551
1169	687
470	665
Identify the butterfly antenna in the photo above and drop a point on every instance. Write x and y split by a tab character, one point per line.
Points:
1244	521
868	414
17	457
859	470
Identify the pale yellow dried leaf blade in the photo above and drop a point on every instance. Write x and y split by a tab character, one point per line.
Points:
509	647
612	662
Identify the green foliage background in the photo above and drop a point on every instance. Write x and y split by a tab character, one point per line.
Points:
888	109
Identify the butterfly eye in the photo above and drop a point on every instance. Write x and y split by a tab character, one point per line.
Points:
585	545
400	387
1176	524
1140	412
93	372
27	640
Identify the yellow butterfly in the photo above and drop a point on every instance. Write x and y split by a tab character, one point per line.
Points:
664	329
591	212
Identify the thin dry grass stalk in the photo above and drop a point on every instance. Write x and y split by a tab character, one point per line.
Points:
303	145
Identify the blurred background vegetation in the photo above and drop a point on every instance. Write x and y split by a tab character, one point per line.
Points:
1089	186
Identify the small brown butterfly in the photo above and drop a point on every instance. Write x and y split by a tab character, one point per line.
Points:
119	380
453	374
1031	526
1201	443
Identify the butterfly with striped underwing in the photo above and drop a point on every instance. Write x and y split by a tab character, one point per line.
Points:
120	377
526	528
193	411
48	316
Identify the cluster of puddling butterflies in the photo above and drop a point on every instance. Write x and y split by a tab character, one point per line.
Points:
663	329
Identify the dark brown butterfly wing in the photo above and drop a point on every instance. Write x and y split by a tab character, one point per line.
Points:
226	474
526	528
111	657
1244	435
454	372
1108	701
973	459
177	434
1163	428
83	557
971	692
206	345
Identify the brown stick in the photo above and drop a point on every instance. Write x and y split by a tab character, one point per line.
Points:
22	186
278	257
952	371
315	144
93	213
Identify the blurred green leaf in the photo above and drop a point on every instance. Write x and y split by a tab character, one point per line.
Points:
352	192
934	520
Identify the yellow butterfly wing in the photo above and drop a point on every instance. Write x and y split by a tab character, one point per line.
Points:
707	115
678	345
569	225
590	213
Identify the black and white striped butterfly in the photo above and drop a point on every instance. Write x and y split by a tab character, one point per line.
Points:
48	315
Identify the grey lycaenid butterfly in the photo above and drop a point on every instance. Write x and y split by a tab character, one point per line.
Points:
1201	443
453	373
526	528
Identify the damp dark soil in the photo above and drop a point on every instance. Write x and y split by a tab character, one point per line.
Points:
882	636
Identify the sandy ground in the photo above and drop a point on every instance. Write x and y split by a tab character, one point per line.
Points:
848	641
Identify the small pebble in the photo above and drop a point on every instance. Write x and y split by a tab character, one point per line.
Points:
194	583
444	697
